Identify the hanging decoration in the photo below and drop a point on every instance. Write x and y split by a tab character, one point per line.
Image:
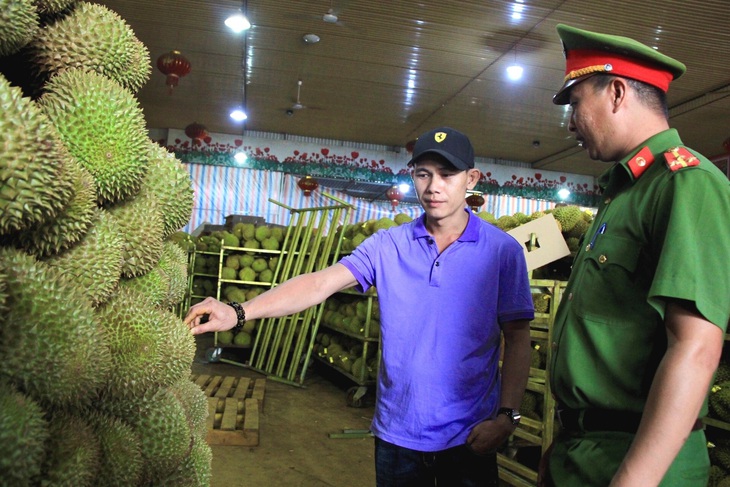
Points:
394	196
173	65
475	202
410	145
196	131
308	184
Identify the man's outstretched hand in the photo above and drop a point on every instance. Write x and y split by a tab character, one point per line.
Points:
220	316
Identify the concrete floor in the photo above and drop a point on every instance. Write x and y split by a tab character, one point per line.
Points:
294	448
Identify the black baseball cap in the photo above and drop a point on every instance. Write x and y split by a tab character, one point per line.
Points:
447	142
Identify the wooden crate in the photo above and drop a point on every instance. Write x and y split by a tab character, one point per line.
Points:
234	404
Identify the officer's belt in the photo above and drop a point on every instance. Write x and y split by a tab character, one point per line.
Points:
587	420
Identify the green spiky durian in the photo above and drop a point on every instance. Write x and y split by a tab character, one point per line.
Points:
140	226
96	261
487	217
567	216
719	401
50	313
579	229
138	342
73	452
195	469
48	7
23	436
150	348
174	263
723	372
541	301
521	217
70	225
506	222
194	402
19	22
103	127
121	454
94	38
159	420
155	285
178	346
572	243
168	179
537	214
33	186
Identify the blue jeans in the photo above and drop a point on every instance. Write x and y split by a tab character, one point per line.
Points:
459	466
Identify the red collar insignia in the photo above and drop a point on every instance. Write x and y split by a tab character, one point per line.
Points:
641	162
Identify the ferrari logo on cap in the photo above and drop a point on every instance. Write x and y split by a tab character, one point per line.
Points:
439	137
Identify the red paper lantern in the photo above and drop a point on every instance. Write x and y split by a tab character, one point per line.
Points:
410	145
475	201
173	65
308	184
196	131
394	196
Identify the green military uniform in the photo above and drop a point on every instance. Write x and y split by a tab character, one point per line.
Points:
661	233
652	239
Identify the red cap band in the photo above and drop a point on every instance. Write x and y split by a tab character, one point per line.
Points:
581	62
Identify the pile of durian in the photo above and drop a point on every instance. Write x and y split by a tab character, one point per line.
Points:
95	385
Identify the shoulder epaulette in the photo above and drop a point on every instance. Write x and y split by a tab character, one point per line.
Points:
679	157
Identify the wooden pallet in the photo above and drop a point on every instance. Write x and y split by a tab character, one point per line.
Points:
234	404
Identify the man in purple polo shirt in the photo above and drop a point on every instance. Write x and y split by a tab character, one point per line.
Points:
448	285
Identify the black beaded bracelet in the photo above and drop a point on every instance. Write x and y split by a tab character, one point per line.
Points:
240	314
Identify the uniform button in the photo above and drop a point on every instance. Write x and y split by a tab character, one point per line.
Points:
602	259
437	264
430	241
607	200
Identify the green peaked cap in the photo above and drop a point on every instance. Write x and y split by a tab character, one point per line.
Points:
588	53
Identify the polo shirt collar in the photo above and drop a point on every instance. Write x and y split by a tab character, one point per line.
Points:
470	233
654	147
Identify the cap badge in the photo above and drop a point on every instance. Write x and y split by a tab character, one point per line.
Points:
608	67
439	137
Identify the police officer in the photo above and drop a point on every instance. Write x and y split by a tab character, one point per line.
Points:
640	328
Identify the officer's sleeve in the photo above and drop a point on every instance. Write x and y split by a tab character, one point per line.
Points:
691	238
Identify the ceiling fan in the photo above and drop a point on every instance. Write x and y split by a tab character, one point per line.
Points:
297	105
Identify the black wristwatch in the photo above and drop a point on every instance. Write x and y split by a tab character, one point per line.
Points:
513	414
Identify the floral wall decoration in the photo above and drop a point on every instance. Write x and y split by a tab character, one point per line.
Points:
333	159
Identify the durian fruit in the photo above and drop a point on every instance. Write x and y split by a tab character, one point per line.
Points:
94	38
73	452
541	301
19	22
722	374
49	7
579	229
194	402
719	401
195	469
138	342
140	226
33	187
103	127
159	421
487	217
95	263
48	312
57	234
168	179
174	263
121	454
155	285
507	222
179	346
568	216
23	436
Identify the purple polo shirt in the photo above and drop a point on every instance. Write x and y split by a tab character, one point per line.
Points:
440	321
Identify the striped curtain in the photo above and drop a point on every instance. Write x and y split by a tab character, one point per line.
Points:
221	191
